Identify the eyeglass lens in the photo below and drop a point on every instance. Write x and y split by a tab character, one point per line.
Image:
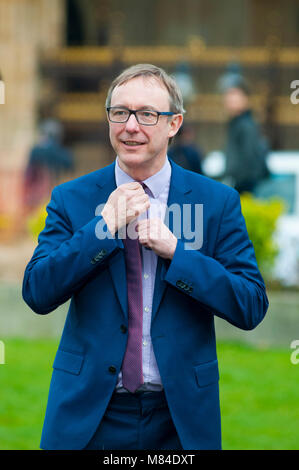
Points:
143	116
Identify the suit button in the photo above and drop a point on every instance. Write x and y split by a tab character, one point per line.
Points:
123	328
112	369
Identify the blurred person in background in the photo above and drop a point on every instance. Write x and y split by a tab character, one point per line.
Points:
49	162
184	151
136	367
246	149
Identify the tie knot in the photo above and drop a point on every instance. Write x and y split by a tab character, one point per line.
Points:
145	187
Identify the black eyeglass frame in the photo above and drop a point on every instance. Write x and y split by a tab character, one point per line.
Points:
132	111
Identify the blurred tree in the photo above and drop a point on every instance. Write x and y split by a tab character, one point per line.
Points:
261	219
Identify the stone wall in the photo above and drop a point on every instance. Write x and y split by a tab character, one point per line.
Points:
27	28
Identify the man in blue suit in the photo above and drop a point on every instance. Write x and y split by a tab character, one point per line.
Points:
136	367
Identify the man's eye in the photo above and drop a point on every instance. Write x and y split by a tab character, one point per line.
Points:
119	112
148	114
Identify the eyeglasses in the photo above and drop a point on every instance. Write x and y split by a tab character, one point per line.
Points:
145	117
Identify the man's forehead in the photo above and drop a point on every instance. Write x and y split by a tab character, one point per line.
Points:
139	87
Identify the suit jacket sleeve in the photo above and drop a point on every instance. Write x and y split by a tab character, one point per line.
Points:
63	261
228	283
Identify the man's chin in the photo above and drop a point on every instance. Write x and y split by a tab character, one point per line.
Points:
131	159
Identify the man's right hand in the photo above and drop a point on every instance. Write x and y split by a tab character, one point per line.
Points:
125	204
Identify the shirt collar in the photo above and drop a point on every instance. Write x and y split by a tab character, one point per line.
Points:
156	183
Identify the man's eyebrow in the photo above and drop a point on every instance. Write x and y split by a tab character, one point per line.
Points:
119	106
141	108
149	107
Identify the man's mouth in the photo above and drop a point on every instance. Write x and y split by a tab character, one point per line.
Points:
132	143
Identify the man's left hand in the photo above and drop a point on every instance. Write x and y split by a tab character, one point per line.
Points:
154	234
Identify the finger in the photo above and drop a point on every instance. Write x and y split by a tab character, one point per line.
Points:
136	210
142	224
131	194
141	208
143	238
131	185
129	189
140	203
142	232
140	198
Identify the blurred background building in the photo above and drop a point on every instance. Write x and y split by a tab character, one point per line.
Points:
57	58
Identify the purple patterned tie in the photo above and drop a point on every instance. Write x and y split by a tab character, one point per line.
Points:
132	376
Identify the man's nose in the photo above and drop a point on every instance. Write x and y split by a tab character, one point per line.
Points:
132	124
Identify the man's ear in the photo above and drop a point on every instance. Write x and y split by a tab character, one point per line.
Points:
175	124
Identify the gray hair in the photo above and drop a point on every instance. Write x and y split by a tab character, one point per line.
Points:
149	70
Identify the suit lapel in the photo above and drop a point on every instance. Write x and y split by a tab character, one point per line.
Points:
178	190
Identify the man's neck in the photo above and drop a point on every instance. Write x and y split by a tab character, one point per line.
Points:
141	173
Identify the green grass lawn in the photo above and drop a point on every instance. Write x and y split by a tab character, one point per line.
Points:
258	393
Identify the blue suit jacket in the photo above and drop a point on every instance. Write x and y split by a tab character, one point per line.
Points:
70	262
